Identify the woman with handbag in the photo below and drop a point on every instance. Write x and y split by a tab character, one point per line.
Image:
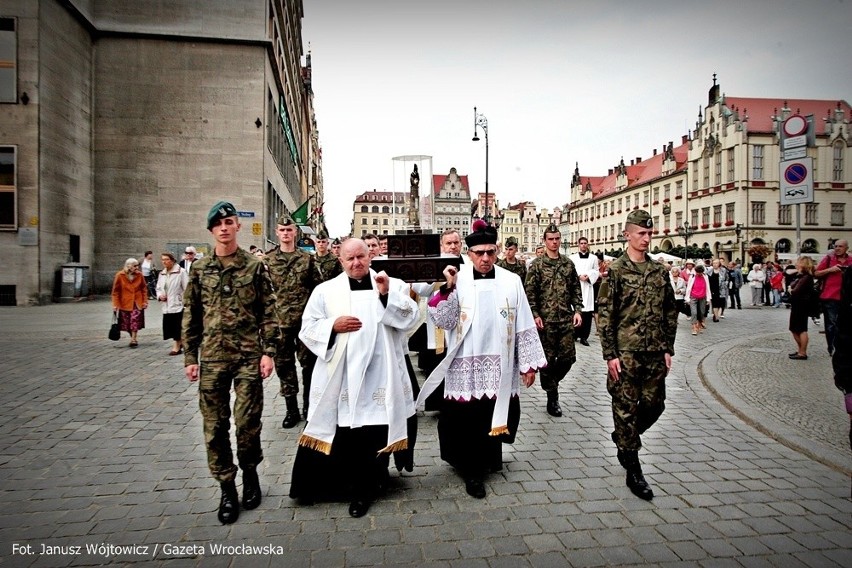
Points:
130	298
698	295
802	301
171	284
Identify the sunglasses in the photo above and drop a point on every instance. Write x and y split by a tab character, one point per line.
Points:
489	252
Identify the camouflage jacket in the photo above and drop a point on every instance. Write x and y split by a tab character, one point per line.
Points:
294	276
553	289
229	313
519	268
636	310
329	266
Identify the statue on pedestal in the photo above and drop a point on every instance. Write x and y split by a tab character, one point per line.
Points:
414	199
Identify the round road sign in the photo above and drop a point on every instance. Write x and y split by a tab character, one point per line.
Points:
796	173
795	125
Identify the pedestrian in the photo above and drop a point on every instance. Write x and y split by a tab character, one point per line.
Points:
688	269
189	256
555	298
383	245
718	279
802	301
756	277
588	270
362	405
766	294
149	273
829	272
493	347
776	282
335	247
679	287
294	274
510	260
130	299
735	282
171	285
842	359
327	263
699	296
230	332
638	317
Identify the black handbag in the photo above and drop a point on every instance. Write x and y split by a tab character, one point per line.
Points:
114	330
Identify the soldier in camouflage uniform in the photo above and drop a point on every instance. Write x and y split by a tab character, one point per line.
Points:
510	263
638	324
553	290
327	263
295	275
230	333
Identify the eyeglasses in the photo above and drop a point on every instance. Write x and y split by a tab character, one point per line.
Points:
489	252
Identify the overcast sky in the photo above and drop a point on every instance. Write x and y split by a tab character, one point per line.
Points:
560	82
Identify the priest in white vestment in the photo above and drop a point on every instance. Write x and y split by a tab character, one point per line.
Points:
492	346
589	272
362	405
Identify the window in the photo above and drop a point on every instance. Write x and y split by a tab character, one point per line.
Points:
679	190
8	61
364	221
757	162
695	175
375	221
694	218
656	194
678	218
838	214
385	209
731	165
8	188
785	215
758	212
705	216
385	222
811	213
729	212
717	215
375	208
717	167
645	198
667	192
706	169
838	161
364	209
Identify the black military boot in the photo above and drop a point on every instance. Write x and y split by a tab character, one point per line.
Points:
619	454
251	489
305	405
635	480
292	417
229	505
553	407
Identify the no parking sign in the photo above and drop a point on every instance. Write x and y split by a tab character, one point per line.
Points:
797	181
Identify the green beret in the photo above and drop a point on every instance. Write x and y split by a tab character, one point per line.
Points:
322	234
511	242
640	217
221	210
285	219
552	228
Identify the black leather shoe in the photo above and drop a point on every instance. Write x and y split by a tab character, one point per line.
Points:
251	489
291	419
475	488
358	508
638	486
584	342
229	506
553	408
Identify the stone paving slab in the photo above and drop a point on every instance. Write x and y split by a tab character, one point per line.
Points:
101	445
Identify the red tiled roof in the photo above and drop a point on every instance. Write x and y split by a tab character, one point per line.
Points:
439	179
761	111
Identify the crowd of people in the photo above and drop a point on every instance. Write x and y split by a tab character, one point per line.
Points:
488	328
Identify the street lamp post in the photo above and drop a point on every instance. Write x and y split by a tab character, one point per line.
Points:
685	231
482	122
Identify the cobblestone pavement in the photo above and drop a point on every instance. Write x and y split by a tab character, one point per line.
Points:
101	446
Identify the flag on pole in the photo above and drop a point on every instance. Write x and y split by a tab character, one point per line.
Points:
300	215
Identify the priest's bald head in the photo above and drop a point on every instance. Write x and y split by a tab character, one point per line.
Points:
355	258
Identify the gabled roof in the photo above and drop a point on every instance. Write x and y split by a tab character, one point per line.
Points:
438	182
761	111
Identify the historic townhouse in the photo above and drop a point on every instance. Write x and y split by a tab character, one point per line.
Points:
452	203
719	189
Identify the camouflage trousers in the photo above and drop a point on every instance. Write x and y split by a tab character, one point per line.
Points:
214	400
557	339
638	397
289	349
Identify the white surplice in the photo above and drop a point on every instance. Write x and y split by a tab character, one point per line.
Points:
361	378
591	268
491	339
